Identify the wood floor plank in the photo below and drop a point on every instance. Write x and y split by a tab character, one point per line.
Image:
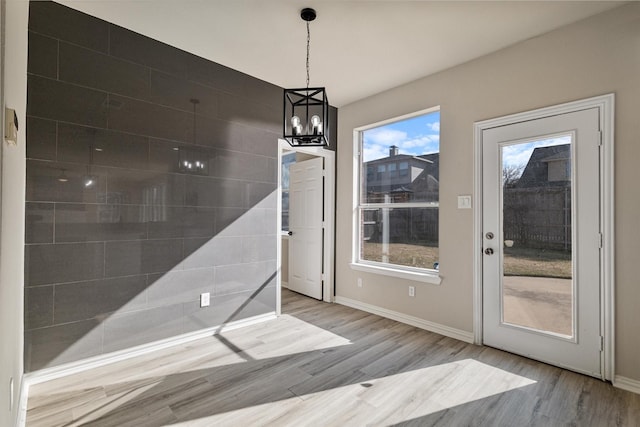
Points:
329	365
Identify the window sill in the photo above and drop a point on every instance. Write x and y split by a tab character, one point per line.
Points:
426	277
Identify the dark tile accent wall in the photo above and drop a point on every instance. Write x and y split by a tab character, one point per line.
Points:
121	236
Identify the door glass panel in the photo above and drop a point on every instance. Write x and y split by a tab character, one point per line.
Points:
537	278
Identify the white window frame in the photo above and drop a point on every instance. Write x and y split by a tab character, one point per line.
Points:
394	270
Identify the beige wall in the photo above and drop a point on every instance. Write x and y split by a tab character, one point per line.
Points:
593	57
12	223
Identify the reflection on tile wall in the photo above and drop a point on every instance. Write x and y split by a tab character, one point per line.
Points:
138	199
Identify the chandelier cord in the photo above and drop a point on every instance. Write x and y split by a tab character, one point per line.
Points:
308	43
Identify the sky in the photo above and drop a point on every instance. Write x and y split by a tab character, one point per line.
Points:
416	136
518	154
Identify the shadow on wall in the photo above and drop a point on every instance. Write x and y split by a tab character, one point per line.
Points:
138	198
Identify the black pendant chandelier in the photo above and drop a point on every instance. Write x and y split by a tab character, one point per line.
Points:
306	110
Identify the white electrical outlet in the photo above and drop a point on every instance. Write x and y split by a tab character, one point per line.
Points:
359	282
205	299
412	291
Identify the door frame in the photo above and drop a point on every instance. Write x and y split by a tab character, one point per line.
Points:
329	218
605	104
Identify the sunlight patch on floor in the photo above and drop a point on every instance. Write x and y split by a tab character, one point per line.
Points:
385	400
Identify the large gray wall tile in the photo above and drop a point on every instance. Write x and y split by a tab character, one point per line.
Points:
142	256
43	55
76	222
168	156
141	327
64	343
41	135
39	222
81	144
236	165
258	248
64	23
73	104
98	298
246	304
230	221
214	251
215	192
240	109
179	286
258	141
38	307
196	318
145	187
137	48
242	277
93	69
145	118
68	262
198	222
175	92
64	182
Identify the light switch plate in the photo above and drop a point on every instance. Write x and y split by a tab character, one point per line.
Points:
464	202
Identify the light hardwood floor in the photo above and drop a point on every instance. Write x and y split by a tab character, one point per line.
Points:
328	365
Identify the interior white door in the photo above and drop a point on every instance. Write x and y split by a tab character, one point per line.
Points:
541	240
305	227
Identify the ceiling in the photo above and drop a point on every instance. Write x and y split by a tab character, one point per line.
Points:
358	48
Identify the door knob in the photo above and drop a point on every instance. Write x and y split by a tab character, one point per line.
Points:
290	233
488	251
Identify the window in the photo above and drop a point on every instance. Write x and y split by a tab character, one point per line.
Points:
393	173
287	160
397	214
404	168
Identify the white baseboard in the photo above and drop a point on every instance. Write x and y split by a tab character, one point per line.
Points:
409	320
60	371
626	384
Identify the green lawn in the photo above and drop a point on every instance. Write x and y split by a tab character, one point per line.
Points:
412	255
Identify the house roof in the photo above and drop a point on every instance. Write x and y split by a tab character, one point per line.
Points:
535	174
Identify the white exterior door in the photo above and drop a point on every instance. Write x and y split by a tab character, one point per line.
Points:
541	239
305	227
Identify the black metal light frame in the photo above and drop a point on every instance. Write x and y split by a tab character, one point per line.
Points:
305	103
306	110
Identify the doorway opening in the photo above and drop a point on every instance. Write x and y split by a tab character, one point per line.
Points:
312	245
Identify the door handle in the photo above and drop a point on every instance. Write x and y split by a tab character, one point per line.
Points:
290	233
488	251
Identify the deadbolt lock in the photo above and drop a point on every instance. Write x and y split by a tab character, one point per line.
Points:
489	235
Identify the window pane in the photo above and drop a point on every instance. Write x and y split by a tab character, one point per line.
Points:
537	282
401	236
287	160
405	156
